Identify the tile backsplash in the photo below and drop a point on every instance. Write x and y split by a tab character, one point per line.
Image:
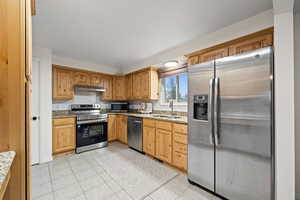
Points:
80	98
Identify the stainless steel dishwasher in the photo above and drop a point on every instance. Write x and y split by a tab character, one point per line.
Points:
135	133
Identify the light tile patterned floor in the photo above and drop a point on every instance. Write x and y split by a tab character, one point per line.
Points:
112	173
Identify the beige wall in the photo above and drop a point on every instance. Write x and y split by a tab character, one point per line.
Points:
252	24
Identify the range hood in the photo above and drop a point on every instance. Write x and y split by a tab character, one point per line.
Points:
85	88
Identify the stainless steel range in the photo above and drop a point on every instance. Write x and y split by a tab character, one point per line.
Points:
91	129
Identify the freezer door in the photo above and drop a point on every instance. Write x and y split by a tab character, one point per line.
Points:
200	141
244	148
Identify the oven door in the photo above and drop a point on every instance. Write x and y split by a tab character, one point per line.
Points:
91	132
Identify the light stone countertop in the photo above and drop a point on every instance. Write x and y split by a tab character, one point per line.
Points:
181	119
6	160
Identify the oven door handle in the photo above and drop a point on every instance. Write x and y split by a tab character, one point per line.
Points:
90	121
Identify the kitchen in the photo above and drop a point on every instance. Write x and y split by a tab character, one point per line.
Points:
123	112
118	114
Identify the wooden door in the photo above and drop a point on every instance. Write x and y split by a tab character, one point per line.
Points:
251	44
164	145
128	80
81	78
62	84
136	86
149	140
144	85
112	127
180	146
63	135
193	60
212	55
96	80
123	129
107	84
119	85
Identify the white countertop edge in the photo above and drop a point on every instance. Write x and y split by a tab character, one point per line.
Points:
6	160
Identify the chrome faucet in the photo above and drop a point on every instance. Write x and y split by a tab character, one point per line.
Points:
171	105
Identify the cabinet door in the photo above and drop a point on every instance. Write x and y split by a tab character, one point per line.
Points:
62	84
212	55
129	93
81	78
164	145
123	129
144	85
64	138
119	91
136	86
193	60
107	84
149	140
96	80
112	134
251	44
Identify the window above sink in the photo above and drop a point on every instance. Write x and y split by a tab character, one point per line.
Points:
174	88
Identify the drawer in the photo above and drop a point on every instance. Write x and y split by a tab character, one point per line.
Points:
181	148
64	121
164	125
180	128
180	160
180	138
149	122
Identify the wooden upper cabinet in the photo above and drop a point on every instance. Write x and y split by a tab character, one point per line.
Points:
81	78
128	80
119	85
62	83
108	85
212	55
145	85
136	86
251	44
193	60
96	80
244	44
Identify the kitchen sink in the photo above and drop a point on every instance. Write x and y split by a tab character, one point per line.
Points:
166	116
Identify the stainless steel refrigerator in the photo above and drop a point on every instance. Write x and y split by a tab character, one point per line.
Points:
230	117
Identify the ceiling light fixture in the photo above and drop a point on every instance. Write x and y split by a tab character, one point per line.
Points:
171	63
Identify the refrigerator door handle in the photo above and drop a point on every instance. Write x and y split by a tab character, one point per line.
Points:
216	110
210	111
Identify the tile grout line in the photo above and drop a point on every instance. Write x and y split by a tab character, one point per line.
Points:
156	189
77	181
123	189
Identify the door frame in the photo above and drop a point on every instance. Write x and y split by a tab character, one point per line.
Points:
35	59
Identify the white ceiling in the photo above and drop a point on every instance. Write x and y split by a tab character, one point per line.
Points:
123	32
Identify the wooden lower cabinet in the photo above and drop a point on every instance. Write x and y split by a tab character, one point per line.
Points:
122	128
164	145
149	136
112	128
63	136
180	160
117	128
166	141
180	148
